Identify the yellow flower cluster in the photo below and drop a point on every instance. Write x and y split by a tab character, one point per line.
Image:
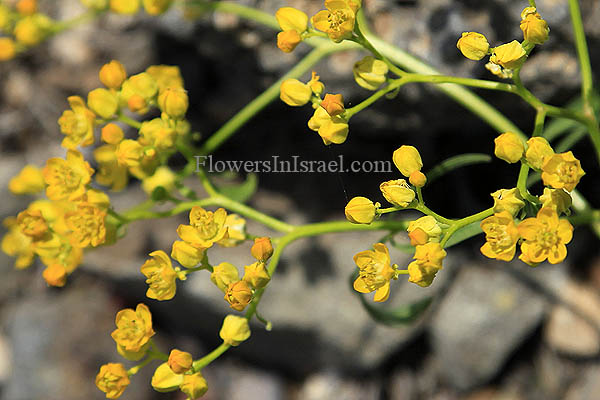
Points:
509	56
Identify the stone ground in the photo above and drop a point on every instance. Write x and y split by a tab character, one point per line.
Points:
494	331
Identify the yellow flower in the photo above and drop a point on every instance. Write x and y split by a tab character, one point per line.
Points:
28	181
501	236
294	93
166	76
234	330
535	29
238	295
110	171
397	192
32	223
205	227
337	21
87	226
370	73
125	6
562	171
133	333
77	124
508	200
112	75
510	55
112	134
140	88
160	276
256	275
163	177
360	210
375	272
8	49
473	45
174	102
129	153
55	275
16	244
179	361
428	261
333	104
407	159
186	254
288	40
262	249
103	102
67	179
157	133
165	380
538	149
509	147
545	237
424	230
236	231
112	380
291	19
32	29
194	386
156	7
556	199
331	129
224	275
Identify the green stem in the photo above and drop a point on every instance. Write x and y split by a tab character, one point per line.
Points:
456	225
425	210
522	183
538	125
130	121
582	54
478	83
350	112
60	26
210	357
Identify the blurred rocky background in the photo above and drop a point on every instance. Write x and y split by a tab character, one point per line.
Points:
494	330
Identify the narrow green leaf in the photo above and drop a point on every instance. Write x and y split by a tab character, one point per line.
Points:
464	233
240	192
455	162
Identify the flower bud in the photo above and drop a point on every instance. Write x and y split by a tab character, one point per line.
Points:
194	386
112	379
407	159
179	361
238	295
223	275
262	249
129	153
32	30
424	230
174	102
370	73
235	330
256	275
291	19
26	7
535	29
7	49
507	200
156	7
315	85
510	55
294	93
360	210
125	6
29	181
163	177
333	104
112	133
102	102
186	254
165	380
112	75
142	84
55	275
473	45
288	40
509	147
334	130
397	192
538	149
418	179
556	199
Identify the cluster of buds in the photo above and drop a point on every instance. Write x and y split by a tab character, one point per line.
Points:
24	27
129	7
74	215
509	56
337	21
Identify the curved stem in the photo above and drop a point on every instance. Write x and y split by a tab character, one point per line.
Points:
210	357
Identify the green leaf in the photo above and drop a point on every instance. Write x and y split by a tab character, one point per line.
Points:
464	233
455	162
402	315
240	192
